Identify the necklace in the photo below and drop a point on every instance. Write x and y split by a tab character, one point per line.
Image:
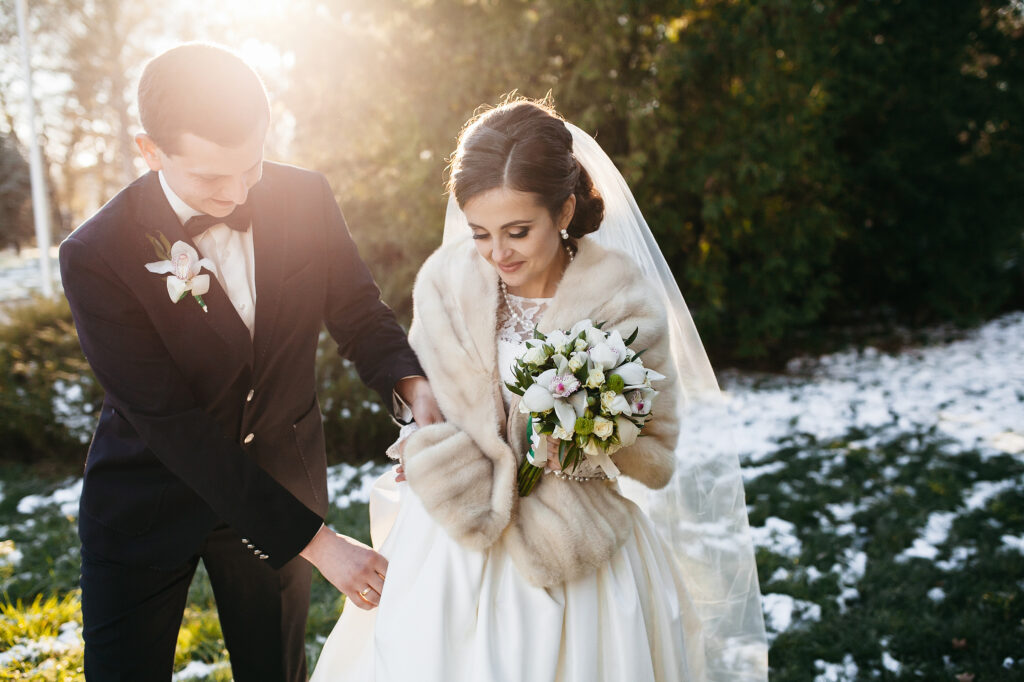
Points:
520	322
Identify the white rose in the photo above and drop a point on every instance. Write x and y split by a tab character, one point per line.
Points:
615	403
576	361
536	355
603	428
595	378
581	344
561	434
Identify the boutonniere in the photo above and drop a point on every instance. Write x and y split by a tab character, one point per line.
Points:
182	263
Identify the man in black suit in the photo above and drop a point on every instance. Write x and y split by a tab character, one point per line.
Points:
210	443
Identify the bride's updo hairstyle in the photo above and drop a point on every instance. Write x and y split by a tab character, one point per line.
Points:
524	145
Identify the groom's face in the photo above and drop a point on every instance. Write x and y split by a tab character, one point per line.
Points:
209	177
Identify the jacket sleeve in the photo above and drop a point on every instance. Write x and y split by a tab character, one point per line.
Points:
363	326
144	385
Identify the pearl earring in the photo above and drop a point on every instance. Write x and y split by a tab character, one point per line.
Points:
565	234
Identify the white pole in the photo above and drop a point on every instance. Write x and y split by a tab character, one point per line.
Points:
40	205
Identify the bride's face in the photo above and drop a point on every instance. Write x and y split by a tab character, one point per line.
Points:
517	235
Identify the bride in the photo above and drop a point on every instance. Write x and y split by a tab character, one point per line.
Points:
575	582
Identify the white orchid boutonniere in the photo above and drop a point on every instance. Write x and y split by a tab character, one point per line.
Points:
182	263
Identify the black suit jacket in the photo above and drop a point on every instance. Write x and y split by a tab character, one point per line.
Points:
200	424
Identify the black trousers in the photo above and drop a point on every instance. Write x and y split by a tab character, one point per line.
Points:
131	615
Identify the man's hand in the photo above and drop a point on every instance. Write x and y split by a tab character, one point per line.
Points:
352	567
415	391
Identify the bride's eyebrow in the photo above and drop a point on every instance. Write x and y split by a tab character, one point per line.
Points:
514	223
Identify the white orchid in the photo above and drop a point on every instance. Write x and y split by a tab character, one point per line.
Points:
640	400
603	356
183	267
633	374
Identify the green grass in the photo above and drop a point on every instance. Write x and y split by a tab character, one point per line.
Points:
855	504
891	488
39	593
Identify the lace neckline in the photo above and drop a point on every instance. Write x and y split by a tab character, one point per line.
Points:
519	327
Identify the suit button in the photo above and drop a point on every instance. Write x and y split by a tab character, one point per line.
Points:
245	541
248	398
249	438
264	556
251	546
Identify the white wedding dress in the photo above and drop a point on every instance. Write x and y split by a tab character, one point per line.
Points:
450	614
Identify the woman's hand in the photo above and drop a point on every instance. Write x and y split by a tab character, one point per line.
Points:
399	473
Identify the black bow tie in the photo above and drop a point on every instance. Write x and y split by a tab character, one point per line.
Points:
239	220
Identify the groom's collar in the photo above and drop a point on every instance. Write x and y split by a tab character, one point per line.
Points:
180	208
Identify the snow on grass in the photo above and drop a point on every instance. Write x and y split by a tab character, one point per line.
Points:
971	390
199	670
777	535
1015	542
782	610
68	639
66	498
935	533
9	554
836	672
347	484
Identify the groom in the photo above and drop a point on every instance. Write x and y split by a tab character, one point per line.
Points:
210	444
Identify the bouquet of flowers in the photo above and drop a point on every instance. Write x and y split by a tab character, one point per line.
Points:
586	389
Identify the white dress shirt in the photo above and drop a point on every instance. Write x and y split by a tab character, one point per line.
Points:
234	265
231	251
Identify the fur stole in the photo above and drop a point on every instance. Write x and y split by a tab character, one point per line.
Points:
464	470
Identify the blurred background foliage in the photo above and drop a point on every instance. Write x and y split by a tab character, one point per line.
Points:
811	168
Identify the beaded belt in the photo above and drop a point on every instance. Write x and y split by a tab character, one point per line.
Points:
579	479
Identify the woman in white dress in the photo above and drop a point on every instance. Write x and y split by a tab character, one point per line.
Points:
573	583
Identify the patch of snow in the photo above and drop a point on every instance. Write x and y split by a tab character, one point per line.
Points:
348	485
983	491
778	536
198	669
67	498
9	554
30	650
890	663
780	609
957	560
967	390
836	672
1014	542
936	532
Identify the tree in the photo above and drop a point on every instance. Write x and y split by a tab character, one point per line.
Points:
15	196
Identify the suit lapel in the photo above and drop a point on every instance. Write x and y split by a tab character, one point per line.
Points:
155	215
269	234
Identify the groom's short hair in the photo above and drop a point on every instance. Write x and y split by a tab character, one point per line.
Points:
202	89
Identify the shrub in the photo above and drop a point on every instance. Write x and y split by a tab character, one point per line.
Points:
49	398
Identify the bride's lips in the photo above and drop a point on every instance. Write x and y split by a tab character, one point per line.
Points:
510	267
